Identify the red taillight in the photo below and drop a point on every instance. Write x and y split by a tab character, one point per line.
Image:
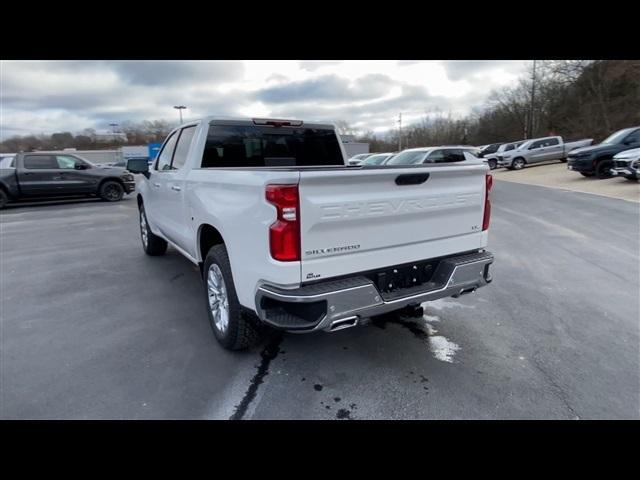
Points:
284	233
488	182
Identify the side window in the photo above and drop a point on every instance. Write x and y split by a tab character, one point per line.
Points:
509	147
65	162
446	156
535	145
182	149
164	159
453	156
552	141
437	156
39	162
633	138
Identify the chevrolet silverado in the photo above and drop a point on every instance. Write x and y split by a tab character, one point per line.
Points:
287	235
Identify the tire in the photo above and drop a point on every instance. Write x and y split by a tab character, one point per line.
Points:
603	167
151	244
563	160
233	329
586	174
4	198
518	163
111	191
628	177
492	164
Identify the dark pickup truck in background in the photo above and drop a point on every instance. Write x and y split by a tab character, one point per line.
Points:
41	174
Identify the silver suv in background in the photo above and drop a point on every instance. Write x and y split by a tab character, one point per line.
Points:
377	159
357	159
627	164
441	154
492	159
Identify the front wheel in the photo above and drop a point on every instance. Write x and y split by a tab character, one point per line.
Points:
633	178
518	164
152	244
4	198
603	169
111	191
233	329
586	174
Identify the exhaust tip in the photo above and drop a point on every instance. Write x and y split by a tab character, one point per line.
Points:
343	323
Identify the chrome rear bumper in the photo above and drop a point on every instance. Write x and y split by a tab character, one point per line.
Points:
334	305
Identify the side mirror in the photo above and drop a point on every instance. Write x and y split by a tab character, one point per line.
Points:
138	165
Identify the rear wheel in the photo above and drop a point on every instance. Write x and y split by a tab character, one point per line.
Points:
111	191
4	198
152	244
233	329
518	164
492	164
603	169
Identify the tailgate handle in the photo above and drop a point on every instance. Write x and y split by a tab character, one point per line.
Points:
412	178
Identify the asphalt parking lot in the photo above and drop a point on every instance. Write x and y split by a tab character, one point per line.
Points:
94	329
556	175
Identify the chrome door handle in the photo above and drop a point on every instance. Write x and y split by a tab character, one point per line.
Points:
176	188
157	185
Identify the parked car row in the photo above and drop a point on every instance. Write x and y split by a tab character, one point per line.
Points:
606	159
417	156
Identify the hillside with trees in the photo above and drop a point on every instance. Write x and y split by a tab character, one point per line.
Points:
572	98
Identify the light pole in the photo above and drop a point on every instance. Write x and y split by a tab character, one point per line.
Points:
113	126
180	108
400	132
533	95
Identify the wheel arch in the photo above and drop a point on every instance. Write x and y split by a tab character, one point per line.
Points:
109	179
208	236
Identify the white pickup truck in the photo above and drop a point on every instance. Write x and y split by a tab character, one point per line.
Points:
289	236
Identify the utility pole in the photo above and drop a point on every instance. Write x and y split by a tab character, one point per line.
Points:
180	108
533	95
400	132
113	126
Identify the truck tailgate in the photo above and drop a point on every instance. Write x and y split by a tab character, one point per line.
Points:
356	220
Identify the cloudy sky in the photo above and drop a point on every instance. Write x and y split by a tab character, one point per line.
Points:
47	96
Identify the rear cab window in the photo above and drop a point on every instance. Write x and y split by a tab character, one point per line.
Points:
229	146
40	162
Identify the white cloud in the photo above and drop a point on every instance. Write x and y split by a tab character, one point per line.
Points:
48	96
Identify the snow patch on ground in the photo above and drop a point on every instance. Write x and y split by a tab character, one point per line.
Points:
441	347
442	303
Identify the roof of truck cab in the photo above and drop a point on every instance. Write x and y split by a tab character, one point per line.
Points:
249	120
